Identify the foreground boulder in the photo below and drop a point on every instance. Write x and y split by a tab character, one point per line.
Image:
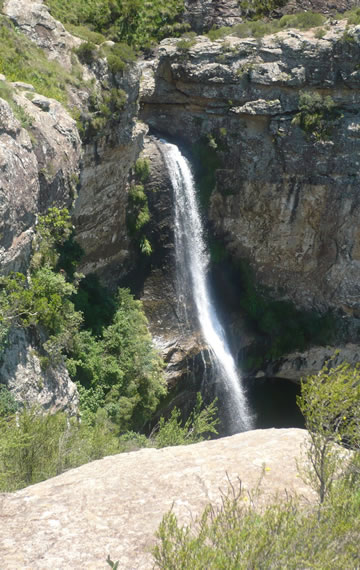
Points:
114	506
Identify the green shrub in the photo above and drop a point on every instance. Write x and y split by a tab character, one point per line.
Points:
302	21
240	534
136	22
138	214
119	56
200	424
96	304
8	404
317	115
86	53
330	402
142	169
260	27
352	16
35	446
85	34
121	371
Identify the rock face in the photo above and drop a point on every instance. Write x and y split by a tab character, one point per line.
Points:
34	20
284	199
298	365
39	168
21	372
178	339
114	506
36	173
204	15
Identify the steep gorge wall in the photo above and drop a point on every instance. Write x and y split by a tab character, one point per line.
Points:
283	199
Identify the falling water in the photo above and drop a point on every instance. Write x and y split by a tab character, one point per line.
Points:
192	262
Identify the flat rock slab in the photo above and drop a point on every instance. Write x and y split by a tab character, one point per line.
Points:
114	506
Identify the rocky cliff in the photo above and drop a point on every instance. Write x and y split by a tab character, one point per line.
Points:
284	198
284	195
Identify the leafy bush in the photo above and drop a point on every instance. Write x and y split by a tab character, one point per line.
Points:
262	27
96	304
121	370
86	53
330	402
44	298
352	16
290	533
317	114
136	22
142	169
302	20
35	446
138	214
239	536
8	404
200	424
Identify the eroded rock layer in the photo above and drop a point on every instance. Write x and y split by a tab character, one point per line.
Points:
285	199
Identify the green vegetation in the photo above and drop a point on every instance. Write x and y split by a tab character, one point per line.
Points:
104	109
199	425
329	402
317	115
120	371
138	214
262	27
240	534
7	93
352	17
43	299
35	446
21	60
8	405
138	23
104	342
279	326
206	161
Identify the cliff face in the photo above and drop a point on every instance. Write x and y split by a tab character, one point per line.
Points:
39	169
285	199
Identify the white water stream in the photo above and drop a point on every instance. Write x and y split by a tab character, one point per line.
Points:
192	263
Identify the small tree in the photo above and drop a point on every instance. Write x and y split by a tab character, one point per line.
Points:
330	403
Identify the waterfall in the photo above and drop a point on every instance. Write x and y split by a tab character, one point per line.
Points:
191	265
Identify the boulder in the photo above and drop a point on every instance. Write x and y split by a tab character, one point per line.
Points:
114	506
